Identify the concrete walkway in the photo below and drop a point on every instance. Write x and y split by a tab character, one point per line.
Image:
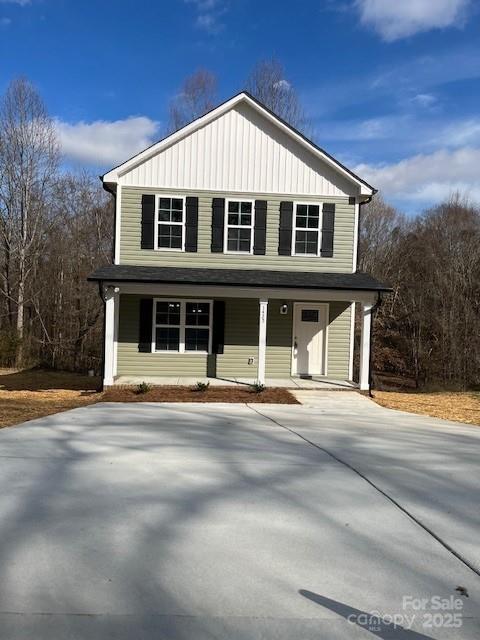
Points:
144	521
294	382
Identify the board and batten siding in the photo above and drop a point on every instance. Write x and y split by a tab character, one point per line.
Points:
241	343
240	150
130	233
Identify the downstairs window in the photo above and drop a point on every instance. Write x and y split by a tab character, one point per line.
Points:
182	326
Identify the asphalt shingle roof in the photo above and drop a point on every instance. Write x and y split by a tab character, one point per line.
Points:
238	277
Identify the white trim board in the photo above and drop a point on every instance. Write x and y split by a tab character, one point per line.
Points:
355	236
265	293
352	341
118	223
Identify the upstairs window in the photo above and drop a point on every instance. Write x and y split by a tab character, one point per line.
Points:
239	226
170	224
306	230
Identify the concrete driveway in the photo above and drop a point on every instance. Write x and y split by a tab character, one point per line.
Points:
144	521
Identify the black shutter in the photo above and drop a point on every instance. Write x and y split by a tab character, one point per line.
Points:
145	325
328	228
260	231
191	223
148	217
285	232
218	220
218	335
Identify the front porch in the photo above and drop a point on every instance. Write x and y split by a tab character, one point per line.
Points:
235	327
294	382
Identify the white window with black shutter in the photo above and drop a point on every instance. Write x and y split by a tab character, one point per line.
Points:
239	226
182	326
169	223
312	229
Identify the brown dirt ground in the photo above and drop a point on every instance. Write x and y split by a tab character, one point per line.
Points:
35	393
460	406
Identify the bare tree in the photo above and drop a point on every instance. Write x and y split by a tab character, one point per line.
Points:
197	95
380	225
427	330
267	83
67	314
28	165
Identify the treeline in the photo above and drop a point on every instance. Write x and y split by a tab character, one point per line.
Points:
428	330
57	227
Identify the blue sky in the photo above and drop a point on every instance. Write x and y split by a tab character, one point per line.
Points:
392	87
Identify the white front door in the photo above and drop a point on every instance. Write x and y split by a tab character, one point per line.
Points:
309	339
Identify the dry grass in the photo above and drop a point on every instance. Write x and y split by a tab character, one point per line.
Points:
20	406
188	394
460	406
35	393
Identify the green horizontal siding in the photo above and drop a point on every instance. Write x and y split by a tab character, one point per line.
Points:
131	253
132	363
241	339
241	343
339	340
278	360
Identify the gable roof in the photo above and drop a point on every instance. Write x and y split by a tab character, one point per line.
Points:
114	174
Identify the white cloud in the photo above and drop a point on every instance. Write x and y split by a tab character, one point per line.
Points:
209	14
106	143
424	179
396	19
209	22
203	5
283	85
387	127
460	133
22	3
424	100
5	22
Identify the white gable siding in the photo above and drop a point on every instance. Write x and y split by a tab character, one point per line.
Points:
240	151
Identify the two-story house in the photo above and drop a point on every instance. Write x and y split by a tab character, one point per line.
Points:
235	256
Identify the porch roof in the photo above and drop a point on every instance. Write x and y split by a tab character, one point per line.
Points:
238	277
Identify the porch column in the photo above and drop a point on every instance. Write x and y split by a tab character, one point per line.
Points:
262	340
365	347
111	305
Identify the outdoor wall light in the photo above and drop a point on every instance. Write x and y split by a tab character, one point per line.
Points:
284	309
